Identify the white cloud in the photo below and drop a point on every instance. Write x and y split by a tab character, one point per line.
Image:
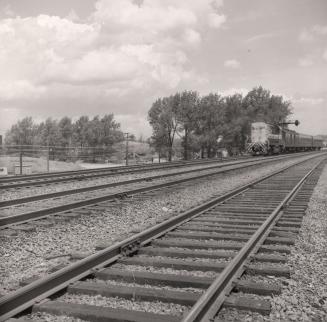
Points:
216	4
305	62
305	36
73	16
260	37
95	66
232	91
20	89
320	30
309	35
150	15
309	100
232	63
7	10
324	55
123	44
215	20
192	37
34	43
130	122
157	16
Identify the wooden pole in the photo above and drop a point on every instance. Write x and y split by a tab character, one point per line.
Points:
21	162
48	156
48	161
126	153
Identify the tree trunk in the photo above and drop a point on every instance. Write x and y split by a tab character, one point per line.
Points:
209	151
170	152
186	144
214	152
202	153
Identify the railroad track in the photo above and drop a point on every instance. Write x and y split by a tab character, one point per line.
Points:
229	240
66	192
79	175
22	210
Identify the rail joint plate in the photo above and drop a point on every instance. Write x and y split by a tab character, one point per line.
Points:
130	248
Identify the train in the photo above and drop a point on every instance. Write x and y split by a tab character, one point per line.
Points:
267	139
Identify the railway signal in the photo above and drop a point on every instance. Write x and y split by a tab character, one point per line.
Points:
296	123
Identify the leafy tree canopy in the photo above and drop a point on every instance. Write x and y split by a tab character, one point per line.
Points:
201	120
98	132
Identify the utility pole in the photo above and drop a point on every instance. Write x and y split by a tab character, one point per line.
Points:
126	154
21	162
48	156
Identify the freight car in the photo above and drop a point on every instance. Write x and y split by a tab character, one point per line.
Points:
269	139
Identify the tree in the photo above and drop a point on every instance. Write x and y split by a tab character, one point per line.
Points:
111	132
259	106
186	105
203	119
236	120
256	104
94	132
50	132
80	131
278	109
163	119
65	129
210	122
21	133
99	132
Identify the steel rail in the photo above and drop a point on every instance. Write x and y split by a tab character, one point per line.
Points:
40	197
25	297
115	170
41	213
211	301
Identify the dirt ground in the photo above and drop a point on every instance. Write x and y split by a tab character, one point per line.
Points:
37	165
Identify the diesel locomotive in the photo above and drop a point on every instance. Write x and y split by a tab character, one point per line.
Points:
269	139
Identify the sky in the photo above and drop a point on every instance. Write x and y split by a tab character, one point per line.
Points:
94	57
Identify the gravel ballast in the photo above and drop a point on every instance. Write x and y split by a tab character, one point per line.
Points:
27	254
45	317
162	270
119	303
